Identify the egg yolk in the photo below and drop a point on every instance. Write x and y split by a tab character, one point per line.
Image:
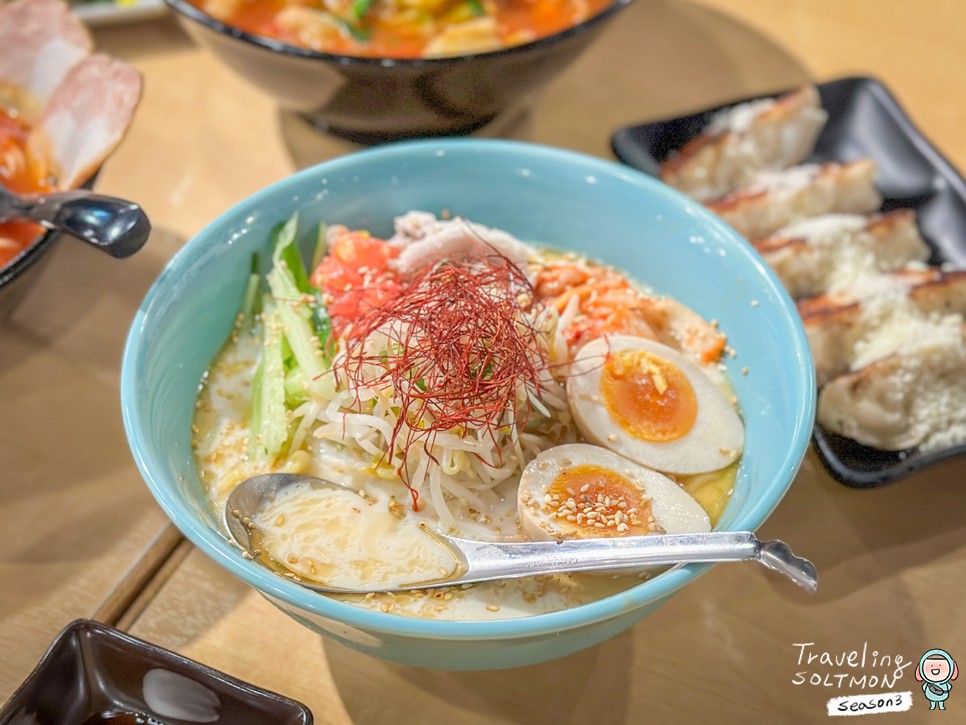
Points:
592	501
649	397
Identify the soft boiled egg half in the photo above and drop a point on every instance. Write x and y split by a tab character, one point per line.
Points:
583	491
653	405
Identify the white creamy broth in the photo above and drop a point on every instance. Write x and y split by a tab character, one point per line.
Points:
221	444
370	530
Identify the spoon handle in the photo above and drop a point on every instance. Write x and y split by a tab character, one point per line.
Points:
116	226
485	561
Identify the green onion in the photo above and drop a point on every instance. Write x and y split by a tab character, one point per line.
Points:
360	8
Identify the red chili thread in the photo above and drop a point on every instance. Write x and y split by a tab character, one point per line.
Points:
460	349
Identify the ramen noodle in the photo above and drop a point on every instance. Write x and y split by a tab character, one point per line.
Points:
456	378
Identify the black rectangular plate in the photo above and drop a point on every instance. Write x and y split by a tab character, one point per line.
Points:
864	120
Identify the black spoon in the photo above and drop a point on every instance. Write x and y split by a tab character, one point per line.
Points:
113	225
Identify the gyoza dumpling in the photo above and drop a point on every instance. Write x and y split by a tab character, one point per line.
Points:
808	256
914	398
775	199
763	135
847	332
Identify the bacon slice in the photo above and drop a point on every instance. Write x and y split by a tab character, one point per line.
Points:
86	118
40	41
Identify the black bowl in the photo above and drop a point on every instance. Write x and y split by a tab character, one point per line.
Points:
17	275
371	100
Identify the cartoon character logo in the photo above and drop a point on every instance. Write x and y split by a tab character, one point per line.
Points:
936	672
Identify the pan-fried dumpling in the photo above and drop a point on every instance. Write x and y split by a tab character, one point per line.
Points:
767	134
813	256
847	332
914	398
776	199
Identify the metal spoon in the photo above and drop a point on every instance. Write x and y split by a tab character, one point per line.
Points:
479	561
113	225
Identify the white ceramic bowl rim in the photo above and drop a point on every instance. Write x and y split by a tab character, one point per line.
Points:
216	546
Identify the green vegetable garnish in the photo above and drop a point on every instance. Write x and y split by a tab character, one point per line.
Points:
360	8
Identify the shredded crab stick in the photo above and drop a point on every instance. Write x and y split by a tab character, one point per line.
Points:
605	302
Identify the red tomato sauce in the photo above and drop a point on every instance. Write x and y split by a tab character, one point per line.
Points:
19	171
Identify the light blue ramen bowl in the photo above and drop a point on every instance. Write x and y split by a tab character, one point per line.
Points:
539	194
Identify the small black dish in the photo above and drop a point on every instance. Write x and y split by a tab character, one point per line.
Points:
864	120
93	673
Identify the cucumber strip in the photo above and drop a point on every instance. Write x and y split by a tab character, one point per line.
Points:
269	420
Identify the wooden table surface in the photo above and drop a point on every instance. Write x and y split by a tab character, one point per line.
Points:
85	539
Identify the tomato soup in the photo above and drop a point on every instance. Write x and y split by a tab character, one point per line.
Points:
403	28
20	171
